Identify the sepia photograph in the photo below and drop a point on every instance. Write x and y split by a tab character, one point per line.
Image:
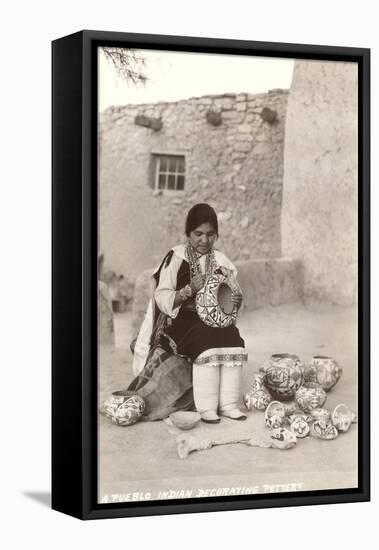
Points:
227	249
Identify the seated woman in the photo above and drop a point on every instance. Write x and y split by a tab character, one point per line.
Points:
217	354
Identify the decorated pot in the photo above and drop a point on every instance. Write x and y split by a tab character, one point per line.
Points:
274	415
124	408
324	371
214	303
342	417
256	399
321	414
300	416
323	430
283	375
310	396
290	407
300	427
274	421
258	382
281	438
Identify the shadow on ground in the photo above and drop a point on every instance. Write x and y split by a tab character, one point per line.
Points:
42	497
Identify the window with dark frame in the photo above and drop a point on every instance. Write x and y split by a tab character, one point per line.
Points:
170	172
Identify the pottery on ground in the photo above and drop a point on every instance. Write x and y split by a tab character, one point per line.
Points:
290	407
281	438
323	430
258	382
275	415
124	408
256	399
283	375
342	417
323	370
300	427
310	396
300	416
321	414
185	420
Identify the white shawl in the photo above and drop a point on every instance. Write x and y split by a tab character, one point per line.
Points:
164	295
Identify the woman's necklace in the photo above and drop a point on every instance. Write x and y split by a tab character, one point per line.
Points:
194	263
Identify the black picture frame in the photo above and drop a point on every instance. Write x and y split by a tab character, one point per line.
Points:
74	273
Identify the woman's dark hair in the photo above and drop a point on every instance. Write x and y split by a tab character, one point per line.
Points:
199	214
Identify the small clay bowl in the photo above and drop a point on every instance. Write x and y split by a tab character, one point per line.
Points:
185	420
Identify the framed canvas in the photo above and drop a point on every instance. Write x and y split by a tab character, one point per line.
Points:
210	275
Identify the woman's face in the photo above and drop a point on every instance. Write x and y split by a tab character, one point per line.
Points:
203	238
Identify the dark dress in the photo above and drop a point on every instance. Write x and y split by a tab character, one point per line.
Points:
166	379
191	336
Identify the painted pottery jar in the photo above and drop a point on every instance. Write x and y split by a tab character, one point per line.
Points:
324	371
214	303
258	382
283	375
323	430
310	396
124	408
256	399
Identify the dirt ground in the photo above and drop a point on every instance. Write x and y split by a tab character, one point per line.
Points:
140	462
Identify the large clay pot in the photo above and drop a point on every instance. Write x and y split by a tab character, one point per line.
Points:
324	371
310	396
283	375
214	302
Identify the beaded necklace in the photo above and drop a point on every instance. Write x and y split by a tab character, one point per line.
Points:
194	263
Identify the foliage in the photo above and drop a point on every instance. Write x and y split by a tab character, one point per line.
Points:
127	63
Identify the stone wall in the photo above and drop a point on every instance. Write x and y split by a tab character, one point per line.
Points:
319	219
236	166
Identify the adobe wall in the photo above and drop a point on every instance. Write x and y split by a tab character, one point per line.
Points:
237	167
320	190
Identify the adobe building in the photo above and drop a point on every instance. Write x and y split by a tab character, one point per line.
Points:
158	160
280	168
320	186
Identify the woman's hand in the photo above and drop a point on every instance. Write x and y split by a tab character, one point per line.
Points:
198	281
237	299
